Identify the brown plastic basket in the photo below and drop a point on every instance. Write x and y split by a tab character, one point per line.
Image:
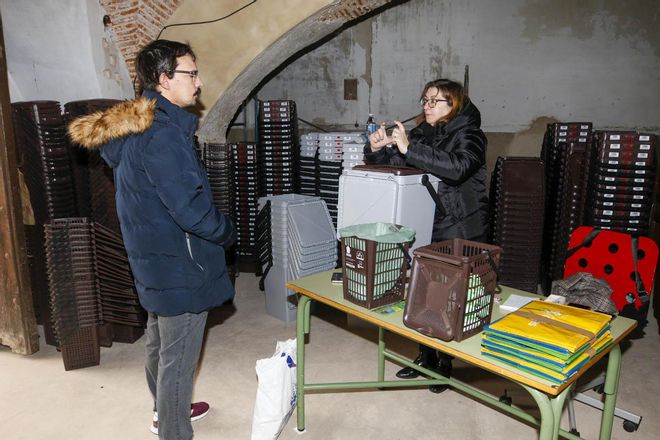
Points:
81	349
451	290
374	273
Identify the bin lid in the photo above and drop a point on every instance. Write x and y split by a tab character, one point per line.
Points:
390	169
381	232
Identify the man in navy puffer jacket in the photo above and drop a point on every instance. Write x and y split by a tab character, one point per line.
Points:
173	233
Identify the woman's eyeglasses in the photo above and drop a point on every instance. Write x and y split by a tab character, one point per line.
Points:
191	73
431	102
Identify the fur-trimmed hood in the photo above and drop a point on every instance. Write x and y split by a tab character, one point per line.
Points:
119	121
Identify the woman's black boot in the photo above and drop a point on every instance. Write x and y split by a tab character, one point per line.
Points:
427	358
444	368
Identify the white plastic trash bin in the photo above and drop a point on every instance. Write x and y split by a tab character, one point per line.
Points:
374	193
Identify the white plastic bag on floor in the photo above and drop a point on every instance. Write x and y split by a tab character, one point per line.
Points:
276	393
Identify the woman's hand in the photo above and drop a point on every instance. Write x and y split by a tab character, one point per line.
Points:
400	138
379	138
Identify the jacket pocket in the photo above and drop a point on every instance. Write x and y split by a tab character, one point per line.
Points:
190	252
453	204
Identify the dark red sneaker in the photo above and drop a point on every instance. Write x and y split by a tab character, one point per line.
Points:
197	411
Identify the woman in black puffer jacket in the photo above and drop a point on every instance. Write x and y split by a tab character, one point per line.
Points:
448	143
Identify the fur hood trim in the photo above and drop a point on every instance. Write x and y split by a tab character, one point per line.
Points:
121	120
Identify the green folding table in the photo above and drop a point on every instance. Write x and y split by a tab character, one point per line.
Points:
549	397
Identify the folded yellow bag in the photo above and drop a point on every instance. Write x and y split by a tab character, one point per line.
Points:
565	327
540	356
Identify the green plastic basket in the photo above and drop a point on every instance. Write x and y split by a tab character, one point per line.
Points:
375	271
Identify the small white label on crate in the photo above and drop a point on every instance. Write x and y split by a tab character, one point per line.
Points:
645	138
563	127
645	146
635	214
609	196
615	137
642	155
608	203
582	139
634	222
606	220
639	180
615	146
640	172
613	154
584	133
353	156
637	197
584	127
638	188
608	212
609	179
640	164
636	205
613	162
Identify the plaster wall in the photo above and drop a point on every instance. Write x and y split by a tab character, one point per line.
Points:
529	61
59	50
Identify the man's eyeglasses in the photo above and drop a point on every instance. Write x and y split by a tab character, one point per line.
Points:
191	73
431	102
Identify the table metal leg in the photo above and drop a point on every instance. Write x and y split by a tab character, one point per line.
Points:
381	354
550	408
610	389
302	328
547	414
557	406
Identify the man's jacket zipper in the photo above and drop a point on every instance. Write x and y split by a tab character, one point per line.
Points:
190	251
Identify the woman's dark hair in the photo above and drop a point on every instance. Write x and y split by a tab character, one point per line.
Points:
158	57
450	90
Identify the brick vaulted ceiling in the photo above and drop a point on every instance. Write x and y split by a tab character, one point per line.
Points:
136	22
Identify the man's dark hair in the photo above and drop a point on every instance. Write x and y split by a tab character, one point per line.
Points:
158	57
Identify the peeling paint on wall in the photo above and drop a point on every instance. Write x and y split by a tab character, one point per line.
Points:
583	19
594	60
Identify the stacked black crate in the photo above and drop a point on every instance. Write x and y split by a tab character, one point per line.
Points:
217	160
102	193
79	155
566	153
278	150
245	179
45	162
622	182
101	190
74	291
45	159
90	169
119	300
517	212
654	233
264	242
309	146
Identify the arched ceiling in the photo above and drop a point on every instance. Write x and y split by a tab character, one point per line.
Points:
236	54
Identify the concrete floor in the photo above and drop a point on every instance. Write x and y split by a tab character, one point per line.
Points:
39	400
